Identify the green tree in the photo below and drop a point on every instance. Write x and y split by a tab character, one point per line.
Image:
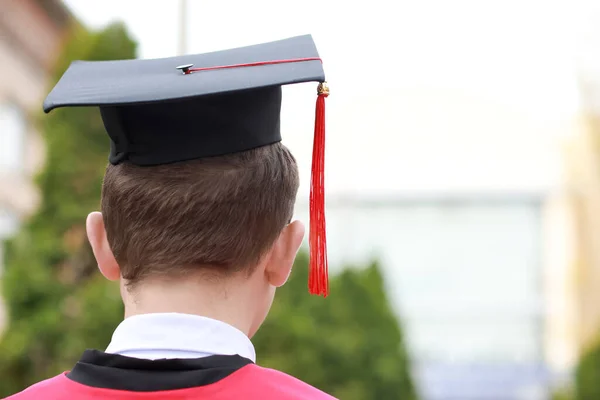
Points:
349	345
587	375
57	304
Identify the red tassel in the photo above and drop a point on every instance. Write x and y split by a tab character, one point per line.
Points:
318	275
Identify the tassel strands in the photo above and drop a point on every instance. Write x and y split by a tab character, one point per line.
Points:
318	279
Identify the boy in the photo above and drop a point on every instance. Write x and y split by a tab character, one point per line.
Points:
195	224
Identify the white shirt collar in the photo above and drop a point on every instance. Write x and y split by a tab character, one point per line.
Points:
172	335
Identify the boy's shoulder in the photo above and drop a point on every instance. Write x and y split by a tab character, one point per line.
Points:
49	389
276	384
256	383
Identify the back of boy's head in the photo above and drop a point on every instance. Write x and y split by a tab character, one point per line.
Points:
220	213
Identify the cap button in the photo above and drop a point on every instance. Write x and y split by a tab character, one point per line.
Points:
185	68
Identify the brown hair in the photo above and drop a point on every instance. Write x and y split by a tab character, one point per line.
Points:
223	212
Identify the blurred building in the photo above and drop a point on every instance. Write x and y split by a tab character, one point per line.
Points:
584	181
584	164
31	32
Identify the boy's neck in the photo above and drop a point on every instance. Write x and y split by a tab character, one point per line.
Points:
215	301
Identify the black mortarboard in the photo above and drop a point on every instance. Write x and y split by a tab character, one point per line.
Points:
161	111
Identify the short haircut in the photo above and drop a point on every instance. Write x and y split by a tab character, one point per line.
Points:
222	213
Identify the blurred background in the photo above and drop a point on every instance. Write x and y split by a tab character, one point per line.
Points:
463	190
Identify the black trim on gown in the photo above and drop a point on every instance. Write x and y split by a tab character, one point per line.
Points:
113	371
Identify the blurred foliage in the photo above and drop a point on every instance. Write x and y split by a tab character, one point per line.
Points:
563	394
57	303
349	345
587	375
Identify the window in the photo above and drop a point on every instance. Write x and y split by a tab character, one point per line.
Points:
12	136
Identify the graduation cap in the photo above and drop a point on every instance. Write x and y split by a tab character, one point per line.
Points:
161	111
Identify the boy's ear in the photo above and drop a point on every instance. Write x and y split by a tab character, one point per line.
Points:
284	253
102	252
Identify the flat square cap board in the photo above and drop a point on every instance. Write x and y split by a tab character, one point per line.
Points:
122	82
168	110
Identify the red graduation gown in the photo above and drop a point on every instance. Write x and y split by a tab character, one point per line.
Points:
113	377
